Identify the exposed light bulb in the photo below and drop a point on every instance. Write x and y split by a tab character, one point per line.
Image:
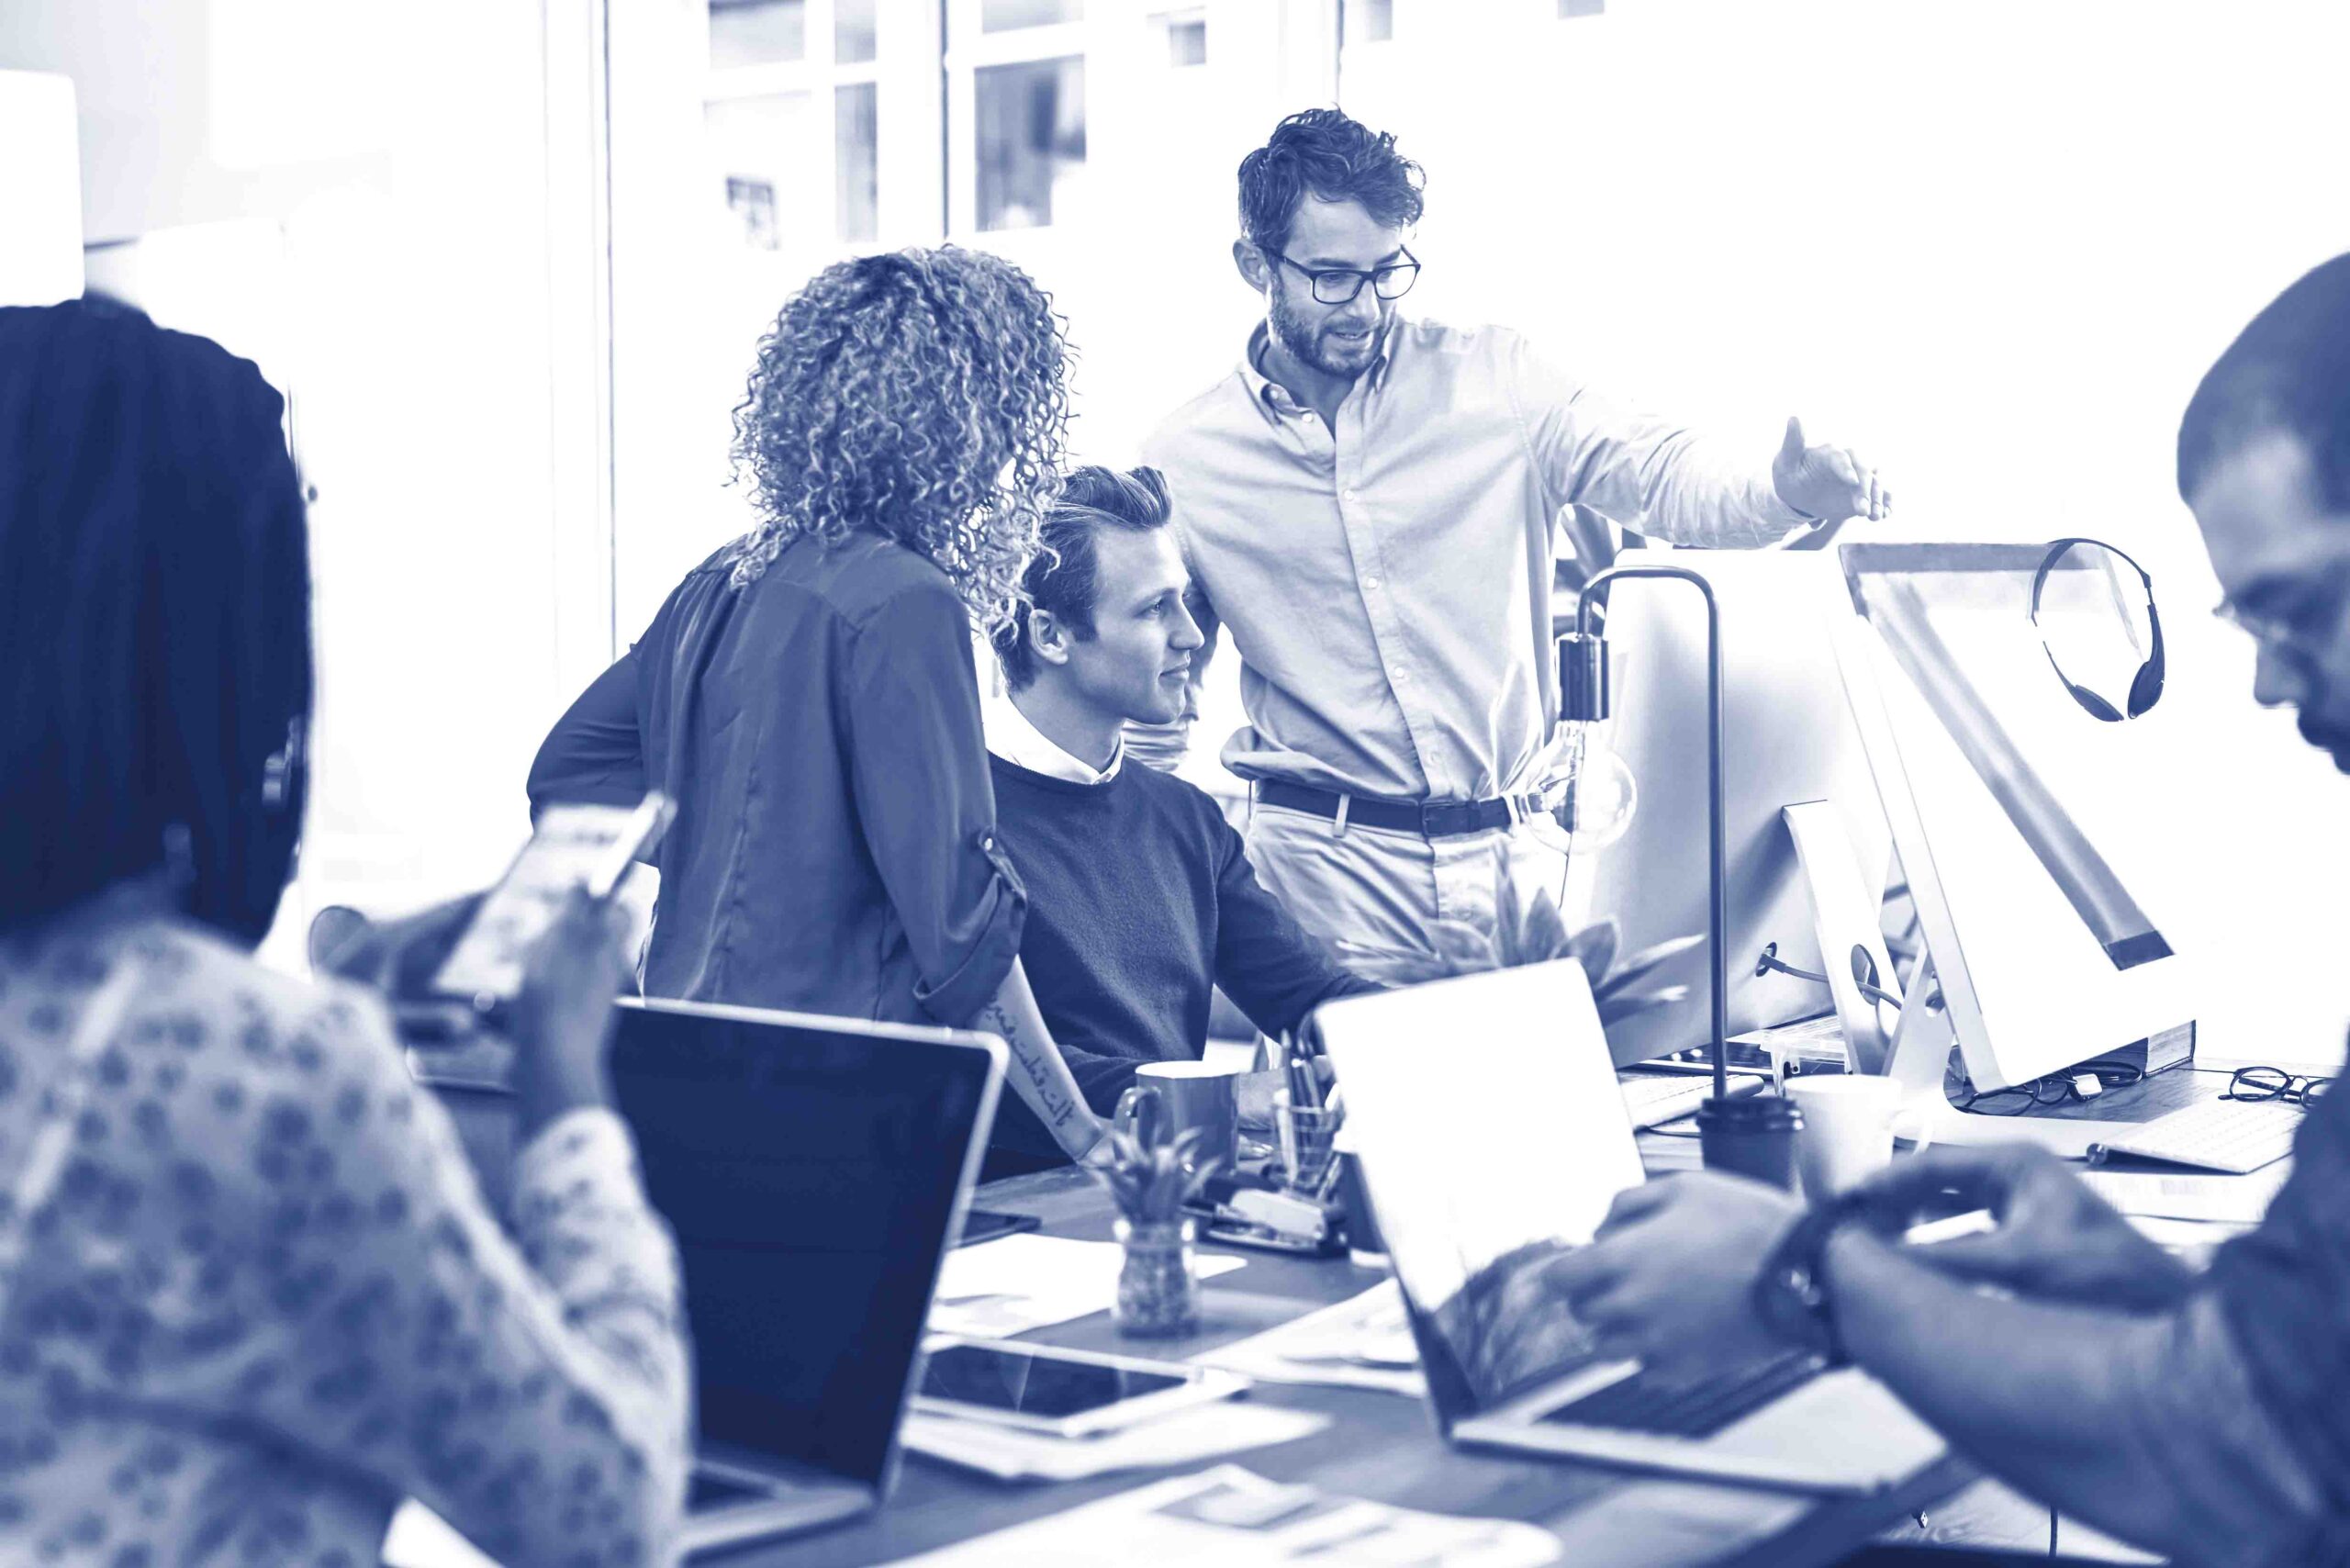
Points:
1595	794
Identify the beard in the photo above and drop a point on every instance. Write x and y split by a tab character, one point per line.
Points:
1316	345
2333	739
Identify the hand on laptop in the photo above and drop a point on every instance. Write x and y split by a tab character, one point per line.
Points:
1670	1281
2055	1240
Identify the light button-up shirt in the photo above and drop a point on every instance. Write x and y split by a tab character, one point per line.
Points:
1386	582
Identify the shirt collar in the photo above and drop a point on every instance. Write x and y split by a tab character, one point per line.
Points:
1020	742
1271	393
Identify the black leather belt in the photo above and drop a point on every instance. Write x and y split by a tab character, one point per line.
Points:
1429	819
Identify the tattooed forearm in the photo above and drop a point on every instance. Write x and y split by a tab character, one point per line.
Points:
1054	1107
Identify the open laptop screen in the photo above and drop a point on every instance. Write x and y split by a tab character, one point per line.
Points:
810	1172
1493	1138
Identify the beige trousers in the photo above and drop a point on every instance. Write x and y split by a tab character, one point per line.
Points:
1378	895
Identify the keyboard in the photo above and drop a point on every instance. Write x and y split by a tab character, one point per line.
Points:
1644	1403
2233	1135
1656	1098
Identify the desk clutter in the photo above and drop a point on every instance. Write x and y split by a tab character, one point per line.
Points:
1233	1518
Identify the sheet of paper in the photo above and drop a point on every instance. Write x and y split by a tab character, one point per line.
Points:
1233	1518
2239	1199
1364	1341
1008	1286
1182	1439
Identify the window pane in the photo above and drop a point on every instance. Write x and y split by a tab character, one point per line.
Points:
1369	21
853	32
1031	138
757	32
1187	38
1003	16
761	153
856	134
1582	7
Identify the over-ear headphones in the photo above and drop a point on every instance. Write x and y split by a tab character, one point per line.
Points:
2147	686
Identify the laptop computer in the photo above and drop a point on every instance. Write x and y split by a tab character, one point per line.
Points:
1493	1138
814	1172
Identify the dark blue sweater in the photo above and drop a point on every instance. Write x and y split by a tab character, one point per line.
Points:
1139	898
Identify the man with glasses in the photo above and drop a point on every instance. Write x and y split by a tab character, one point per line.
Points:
1368	504
2207	1417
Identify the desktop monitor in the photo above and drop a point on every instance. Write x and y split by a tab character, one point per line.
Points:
2012	811
1787	738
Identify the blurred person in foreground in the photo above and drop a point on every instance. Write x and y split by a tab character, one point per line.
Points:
808	695
251	1294
1141	899
2207	1417
1369	504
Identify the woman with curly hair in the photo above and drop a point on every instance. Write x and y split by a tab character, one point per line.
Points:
808	693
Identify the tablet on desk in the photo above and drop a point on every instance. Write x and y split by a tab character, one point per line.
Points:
1068	1393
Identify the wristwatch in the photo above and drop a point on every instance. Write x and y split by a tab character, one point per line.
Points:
1791	1296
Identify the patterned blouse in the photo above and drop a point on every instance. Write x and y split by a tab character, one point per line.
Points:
252	1297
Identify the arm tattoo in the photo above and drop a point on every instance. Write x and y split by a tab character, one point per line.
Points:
1055	1106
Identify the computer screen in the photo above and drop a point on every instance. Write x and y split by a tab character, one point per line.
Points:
812	1175
1787	738
1492	1139
2016	812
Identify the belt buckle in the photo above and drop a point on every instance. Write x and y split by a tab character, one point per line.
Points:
1446	819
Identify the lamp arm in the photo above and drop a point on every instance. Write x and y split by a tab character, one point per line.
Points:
1717	920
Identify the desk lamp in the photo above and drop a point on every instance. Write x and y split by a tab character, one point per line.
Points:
1752	1135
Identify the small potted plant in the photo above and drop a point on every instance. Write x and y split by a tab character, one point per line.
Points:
1150	1178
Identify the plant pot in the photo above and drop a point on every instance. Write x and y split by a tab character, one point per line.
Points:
1158	1293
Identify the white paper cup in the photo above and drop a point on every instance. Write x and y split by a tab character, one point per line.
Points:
1848	1123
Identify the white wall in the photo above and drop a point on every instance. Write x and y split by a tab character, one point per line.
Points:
41	243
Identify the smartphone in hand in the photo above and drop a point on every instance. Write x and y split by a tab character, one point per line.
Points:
585	846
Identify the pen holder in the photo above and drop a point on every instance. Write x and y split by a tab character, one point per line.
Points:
1304	1132
1158	1293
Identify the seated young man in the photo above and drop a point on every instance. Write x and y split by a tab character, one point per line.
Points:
1139	896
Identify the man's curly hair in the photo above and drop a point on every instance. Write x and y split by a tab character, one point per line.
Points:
916	395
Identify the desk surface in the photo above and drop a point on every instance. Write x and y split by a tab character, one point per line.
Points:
1380	1446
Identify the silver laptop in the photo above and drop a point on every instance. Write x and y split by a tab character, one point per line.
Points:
1493	1138
815	1172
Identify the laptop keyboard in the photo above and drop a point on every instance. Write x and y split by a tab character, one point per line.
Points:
1645	1403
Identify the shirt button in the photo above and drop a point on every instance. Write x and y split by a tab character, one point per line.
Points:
1349	494
1371	583
1401	675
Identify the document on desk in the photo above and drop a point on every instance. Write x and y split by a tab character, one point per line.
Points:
1008	1455
1364	1341
1017	1283
1233	1518
2227	1199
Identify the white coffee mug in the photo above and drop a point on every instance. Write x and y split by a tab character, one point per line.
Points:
1849	1124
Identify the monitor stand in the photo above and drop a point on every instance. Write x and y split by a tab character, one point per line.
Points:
1847	918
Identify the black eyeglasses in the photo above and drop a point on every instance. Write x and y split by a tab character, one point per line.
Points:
1338	286
2274	1084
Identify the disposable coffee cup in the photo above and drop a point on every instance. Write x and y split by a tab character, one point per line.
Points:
1752	1135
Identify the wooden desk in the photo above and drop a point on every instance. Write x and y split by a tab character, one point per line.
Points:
1379	1446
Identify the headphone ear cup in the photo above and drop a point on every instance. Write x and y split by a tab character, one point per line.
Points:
2148	686
2098	707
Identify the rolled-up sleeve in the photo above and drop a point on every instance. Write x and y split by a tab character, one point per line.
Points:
919	771
1644	472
